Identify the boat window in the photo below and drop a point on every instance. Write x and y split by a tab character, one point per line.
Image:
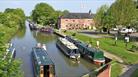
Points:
75	51
49	71
41	70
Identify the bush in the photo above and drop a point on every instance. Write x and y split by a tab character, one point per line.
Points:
134	48
74	34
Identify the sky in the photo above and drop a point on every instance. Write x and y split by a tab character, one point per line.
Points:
71	5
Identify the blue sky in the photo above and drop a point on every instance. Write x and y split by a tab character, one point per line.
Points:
71	5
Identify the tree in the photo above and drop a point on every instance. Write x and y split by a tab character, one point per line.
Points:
10	21
43	14
108	22
65	12
123	11
18	13
99	18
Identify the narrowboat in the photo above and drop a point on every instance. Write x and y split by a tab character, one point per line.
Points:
96	55
32	26
10	50
46	29
68	48
39	45
42	64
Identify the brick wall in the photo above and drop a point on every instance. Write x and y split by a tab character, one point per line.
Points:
69	24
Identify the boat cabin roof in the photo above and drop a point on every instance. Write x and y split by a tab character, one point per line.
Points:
89	48
68	43
10	47
42	56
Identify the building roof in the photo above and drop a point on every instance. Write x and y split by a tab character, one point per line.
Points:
78	16
42	56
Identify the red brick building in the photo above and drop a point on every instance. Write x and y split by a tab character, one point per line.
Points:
76	21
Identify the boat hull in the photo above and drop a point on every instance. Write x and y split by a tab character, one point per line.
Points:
99	62
66	52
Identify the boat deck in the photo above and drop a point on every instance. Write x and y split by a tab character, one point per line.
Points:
42	57
67	43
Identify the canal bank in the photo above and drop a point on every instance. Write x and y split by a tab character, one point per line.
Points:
64	66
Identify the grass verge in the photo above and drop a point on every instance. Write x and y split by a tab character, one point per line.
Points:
115	69
107	44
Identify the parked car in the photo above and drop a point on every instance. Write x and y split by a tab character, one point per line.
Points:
115	29
126	30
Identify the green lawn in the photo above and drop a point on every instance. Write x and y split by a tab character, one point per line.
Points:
119	50
108	45
135	73
115	69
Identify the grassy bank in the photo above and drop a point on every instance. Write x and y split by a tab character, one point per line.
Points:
115	69
108	45
10	22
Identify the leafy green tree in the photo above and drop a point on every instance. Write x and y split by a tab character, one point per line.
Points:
108	22
123	11
10	21
43	14
65	12
19	13
99	17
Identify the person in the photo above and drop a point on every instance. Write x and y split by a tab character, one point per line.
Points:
97	43
38	45
44	47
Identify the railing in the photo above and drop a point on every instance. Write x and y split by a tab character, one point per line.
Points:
101	69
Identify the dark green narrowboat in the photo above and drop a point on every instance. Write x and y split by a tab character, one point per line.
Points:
42	64
96	55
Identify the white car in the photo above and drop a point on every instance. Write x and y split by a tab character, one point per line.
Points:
115	29
125	30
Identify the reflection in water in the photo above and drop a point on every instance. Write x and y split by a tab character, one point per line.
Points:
43	37
21	33
70	62
64	66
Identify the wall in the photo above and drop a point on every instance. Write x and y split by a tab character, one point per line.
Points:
68	24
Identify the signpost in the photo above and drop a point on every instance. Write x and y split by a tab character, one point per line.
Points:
116	39
97	43
127	40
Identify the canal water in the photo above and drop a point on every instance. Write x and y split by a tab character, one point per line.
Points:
25	39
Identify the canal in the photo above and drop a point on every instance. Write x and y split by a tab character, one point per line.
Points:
25	39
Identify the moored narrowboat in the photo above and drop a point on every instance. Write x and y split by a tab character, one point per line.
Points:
32	26
46	29
68	48
10	50
42	64
96	55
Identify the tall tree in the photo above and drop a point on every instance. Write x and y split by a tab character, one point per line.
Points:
43	14
108	22
123	11
99	18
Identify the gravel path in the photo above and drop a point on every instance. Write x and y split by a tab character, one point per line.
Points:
96	35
